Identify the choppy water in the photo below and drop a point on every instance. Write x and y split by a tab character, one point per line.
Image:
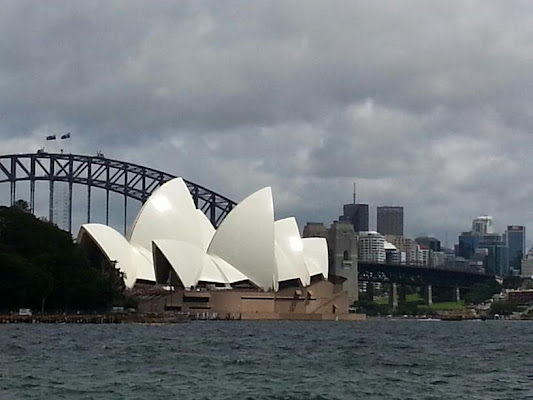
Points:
269	360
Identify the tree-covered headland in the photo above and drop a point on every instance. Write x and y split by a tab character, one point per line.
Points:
43	269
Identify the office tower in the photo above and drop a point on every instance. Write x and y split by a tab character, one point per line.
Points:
526	269
357	215
516	242
390	220
432	243
468	243
482	225
406	246
497	258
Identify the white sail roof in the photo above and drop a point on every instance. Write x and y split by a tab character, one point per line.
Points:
248	245
193	265
169	213
145	270
315	252
286	269
211	273
245	239
231	273
207	231
289	241
117	249
185	259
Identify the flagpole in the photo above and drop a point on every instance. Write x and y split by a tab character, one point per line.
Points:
67	136
67	211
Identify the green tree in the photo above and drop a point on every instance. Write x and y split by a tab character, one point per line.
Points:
372	308
481	292
503	307
42	268
22	205
512	282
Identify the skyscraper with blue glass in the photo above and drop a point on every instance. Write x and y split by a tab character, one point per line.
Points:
516	242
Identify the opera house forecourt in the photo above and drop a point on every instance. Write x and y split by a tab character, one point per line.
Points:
251	267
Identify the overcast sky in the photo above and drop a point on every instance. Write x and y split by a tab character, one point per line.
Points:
426	104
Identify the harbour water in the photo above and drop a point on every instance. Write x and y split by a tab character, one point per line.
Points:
381	359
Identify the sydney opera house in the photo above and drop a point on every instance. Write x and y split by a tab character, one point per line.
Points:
251	267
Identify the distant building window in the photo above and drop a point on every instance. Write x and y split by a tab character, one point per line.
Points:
346	256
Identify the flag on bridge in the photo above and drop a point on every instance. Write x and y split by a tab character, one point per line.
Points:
66	136
51	137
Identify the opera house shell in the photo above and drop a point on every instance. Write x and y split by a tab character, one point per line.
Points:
251	266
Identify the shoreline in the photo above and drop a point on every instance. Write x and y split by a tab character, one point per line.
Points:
93	319
165	318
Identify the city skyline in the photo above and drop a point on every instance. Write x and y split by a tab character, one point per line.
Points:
481	224
424	104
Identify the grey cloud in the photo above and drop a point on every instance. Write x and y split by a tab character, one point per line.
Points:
425	104
195	65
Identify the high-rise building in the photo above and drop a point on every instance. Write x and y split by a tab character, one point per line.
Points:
390	220
527	265
468	242
357	215
432	243
516	242
424	256
407	246
497	260
482	225
371	247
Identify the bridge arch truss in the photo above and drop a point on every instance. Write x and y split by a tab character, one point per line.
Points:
132	181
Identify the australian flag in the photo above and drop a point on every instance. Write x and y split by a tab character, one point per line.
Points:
66	136
51	137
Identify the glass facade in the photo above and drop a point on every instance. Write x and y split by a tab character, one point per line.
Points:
516	242
497	260
468	243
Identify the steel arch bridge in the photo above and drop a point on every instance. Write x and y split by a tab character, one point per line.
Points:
416	275
132	181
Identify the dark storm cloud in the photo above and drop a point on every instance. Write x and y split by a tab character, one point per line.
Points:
425	103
